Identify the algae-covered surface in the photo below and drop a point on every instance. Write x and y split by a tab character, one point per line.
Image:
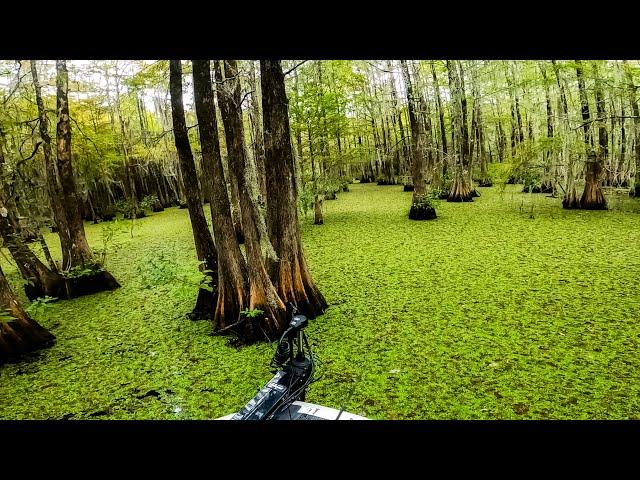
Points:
508	307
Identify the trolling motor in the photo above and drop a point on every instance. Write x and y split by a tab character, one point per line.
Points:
282	398
293	370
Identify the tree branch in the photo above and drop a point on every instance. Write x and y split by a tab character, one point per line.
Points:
292	69
245	96
599	119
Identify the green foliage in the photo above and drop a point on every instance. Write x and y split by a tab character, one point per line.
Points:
253	313
532	179
428	200
83	270
107	231
501	173
328	187
148	201
306	198
156	269
39	305
436	192
207	278
125	208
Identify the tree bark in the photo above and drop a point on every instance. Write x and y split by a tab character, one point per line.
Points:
289	272
633	100
548	176
262	293
593	197
420	209
570	199
205	248
19	334
255	117
54	189
233	282
443	132
78	252
460	189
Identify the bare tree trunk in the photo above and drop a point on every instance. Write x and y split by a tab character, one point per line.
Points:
593	197
54	189
79	254
436	86
421	209
235	194
262	293
318	218
460	189
633	100
570	199
233	282
289	272
255	117
548	176
205	248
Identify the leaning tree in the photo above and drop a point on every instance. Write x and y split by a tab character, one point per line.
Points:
19	333
40	280
205	248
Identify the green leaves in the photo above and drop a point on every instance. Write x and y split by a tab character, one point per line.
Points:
40	304
254	313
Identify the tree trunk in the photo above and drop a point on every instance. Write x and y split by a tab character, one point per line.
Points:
623	146
235	195
570	199
262	293
65	202
40	280
19	334
205	248
78	250
460	189
54	189
129	182
593	197
233	283
633	100
443	132
421	209
255	117
318	218
289	272
548	176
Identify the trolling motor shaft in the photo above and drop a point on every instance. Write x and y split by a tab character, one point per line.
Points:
293	373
